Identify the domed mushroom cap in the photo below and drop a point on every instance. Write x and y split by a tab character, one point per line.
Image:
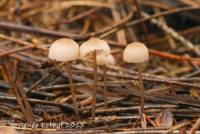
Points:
136	53
93	44
110	60
105	60
64	50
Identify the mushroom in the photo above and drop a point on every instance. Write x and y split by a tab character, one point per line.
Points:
66	50
103	60
90	49
137	53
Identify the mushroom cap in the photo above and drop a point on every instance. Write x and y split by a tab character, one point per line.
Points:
93	44
136	52
110	60
105	60
64	49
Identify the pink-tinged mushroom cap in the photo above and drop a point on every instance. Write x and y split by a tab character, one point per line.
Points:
94	44
136	53
64	50
105	60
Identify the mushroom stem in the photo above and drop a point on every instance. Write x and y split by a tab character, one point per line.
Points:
140	70
105	87
73	91
95	84
141	85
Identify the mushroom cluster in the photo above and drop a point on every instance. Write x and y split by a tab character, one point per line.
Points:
67	50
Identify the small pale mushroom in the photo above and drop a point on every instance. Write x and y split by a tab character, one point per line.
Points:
103	60
137	53
90	49
94	44
110	60
66	50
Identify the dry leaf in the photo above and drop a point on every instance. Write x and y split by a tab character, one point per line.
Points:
165	119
